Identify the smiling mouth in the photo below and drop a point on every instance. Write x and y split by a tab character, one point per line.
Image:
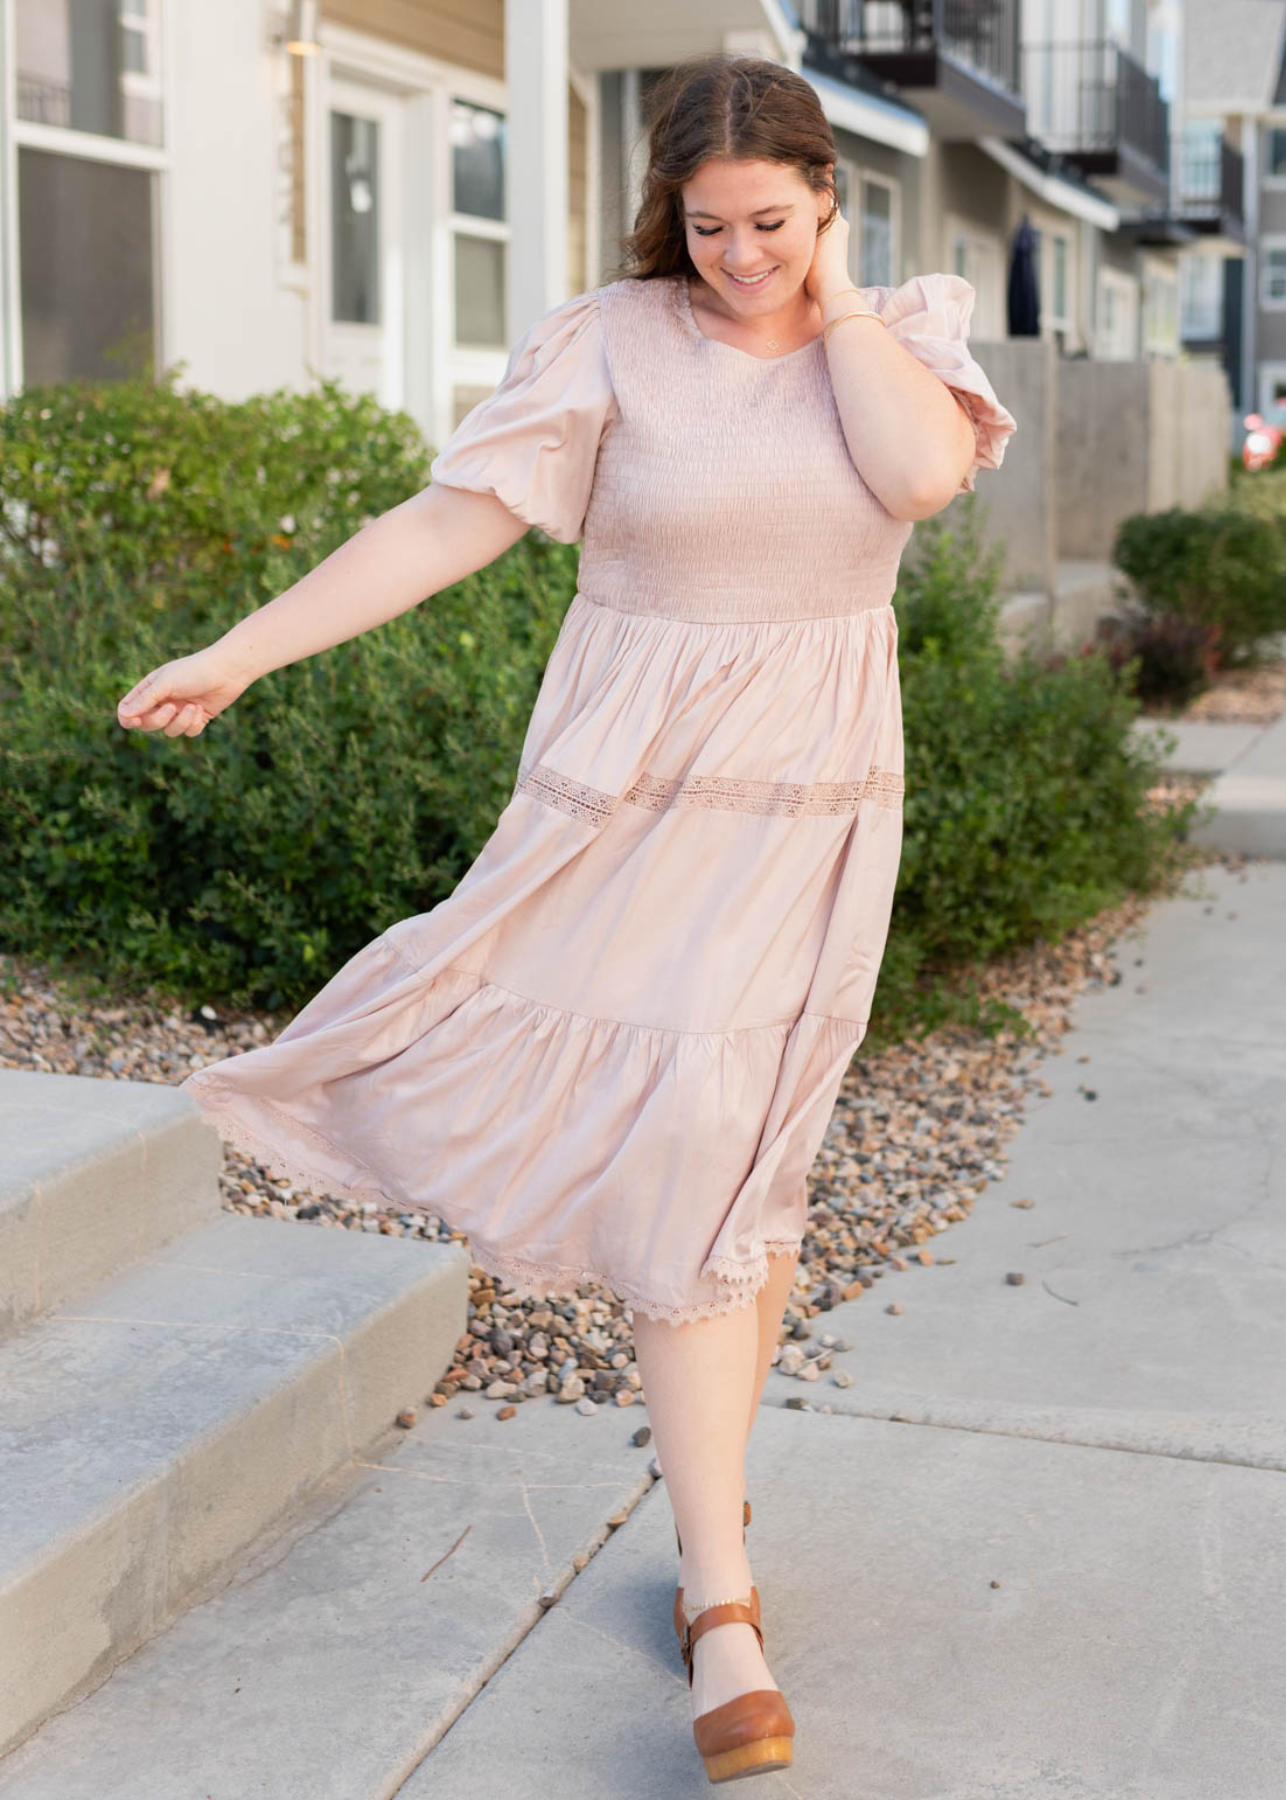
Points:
753	282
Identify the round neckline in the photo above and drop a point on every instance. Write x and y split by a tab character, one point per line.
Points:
689	319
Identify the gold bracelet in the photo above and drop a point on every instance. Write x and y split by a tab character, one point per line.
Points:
850	315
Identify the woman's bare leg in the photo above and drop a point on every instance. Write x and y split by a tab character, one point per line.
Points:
771	1304
698	1382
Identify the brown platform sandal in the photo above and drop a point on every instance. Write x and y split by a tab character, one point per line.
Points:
751	1734
678	1592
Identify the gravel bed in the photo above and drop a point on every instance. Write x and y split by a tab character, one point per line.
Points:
1237	697
918	1133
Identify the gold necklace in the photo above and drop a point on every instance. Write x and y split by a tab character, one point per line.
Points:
771	343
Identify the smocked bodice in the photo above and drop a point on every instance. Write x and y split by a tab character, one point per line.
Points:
724	488
707	483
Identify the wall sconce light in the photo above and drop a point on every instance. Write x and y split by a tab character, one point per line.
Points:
301	29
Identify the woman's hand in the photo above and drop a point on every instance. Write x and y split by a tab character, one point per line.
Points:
828	272
181	697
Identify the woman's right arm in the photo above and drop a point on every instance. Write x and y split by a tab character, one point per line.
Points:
432	540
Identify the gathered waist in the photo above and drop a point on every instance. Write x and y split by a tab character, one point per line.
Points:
696	609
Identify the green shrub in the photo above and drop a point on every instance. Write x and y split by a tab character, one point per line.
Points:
1222	564
1166	660
1025	809
339	794
356	787
186	497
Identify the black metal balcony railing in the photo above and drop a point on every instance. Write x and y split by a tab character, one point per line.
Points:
982	33
1092	96
1212	174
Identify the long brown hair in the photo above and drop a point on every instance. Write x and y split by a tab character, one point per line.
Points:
734	107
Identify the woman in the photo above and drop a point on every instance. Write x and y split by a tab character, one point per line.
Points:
613	1051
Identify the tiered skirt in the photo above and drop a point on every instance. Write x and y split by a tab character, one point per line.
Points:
612	1051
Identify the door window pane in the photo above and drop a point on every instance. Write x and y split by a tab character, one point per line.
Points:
479	291
89	66
1060	278
354	216
85	238
477	160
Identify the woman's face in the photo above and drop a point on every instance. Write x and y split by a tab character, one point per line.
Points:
752	219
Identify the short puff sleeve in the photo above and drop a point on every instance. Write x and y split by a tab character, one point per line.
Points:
929	315
533	443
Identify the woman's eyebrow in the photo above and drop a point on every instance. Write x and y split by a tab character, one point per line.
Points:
789	207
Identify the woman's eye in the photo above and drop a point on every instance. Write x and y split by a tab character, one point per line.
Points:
716	229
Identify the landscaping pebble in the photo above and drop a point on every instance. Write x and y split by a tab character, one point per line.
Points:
1236	697
918	1133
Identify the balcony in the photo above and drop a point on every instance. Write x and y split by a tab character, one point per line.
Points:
1095	105
1211	185
957	61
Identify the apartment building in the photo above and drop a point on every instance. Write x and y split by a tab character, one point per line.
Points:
389	191
1234	296
381	204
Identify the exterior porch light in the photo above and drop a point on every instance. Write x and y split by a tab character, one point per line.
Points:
301	29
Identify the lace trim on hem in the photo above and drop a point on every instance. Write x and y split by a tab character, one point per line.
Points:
722	793
281	1158
535	1281
526	1280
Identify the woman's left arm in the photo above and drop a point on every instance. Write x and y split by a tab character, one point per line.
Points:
911	437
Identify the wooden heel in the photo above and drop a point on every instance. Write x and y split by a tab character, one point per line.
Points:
751	1734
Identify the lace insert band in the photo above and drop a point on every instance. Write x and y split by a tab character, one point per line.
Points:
719	793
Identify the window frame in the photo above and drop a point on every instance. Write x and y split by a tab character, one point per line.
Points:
92	146
1271	243
475	225
857	176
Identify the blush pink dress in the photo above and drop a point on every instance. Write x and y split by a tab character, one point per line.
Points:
612	1052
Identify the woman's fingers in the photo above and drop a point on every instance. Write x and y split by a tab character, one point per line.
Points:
181	697
140	699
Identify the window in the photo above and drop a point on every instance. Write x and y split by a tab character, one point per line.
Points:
1201	164
869	203
1272	291
1275	163
1200	296
479	226
980	260
87	80
90	65
1116	334
1160	311
1053	260
876	249
85	230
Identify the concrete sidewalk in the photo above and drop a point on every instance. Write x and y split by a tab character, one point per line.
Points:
1036	1549
1248	763
1065	1573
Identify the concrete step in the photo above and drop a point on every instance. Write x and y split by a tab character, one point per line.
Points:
1198	748
93	1175
1248	792
1250	798
1066	615
341	1650
154	1428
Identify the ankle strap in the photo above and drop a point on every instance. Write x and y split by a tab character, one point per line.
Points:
728	1612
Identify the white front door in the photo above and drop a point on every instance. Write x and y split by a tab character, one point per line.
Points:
365	261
